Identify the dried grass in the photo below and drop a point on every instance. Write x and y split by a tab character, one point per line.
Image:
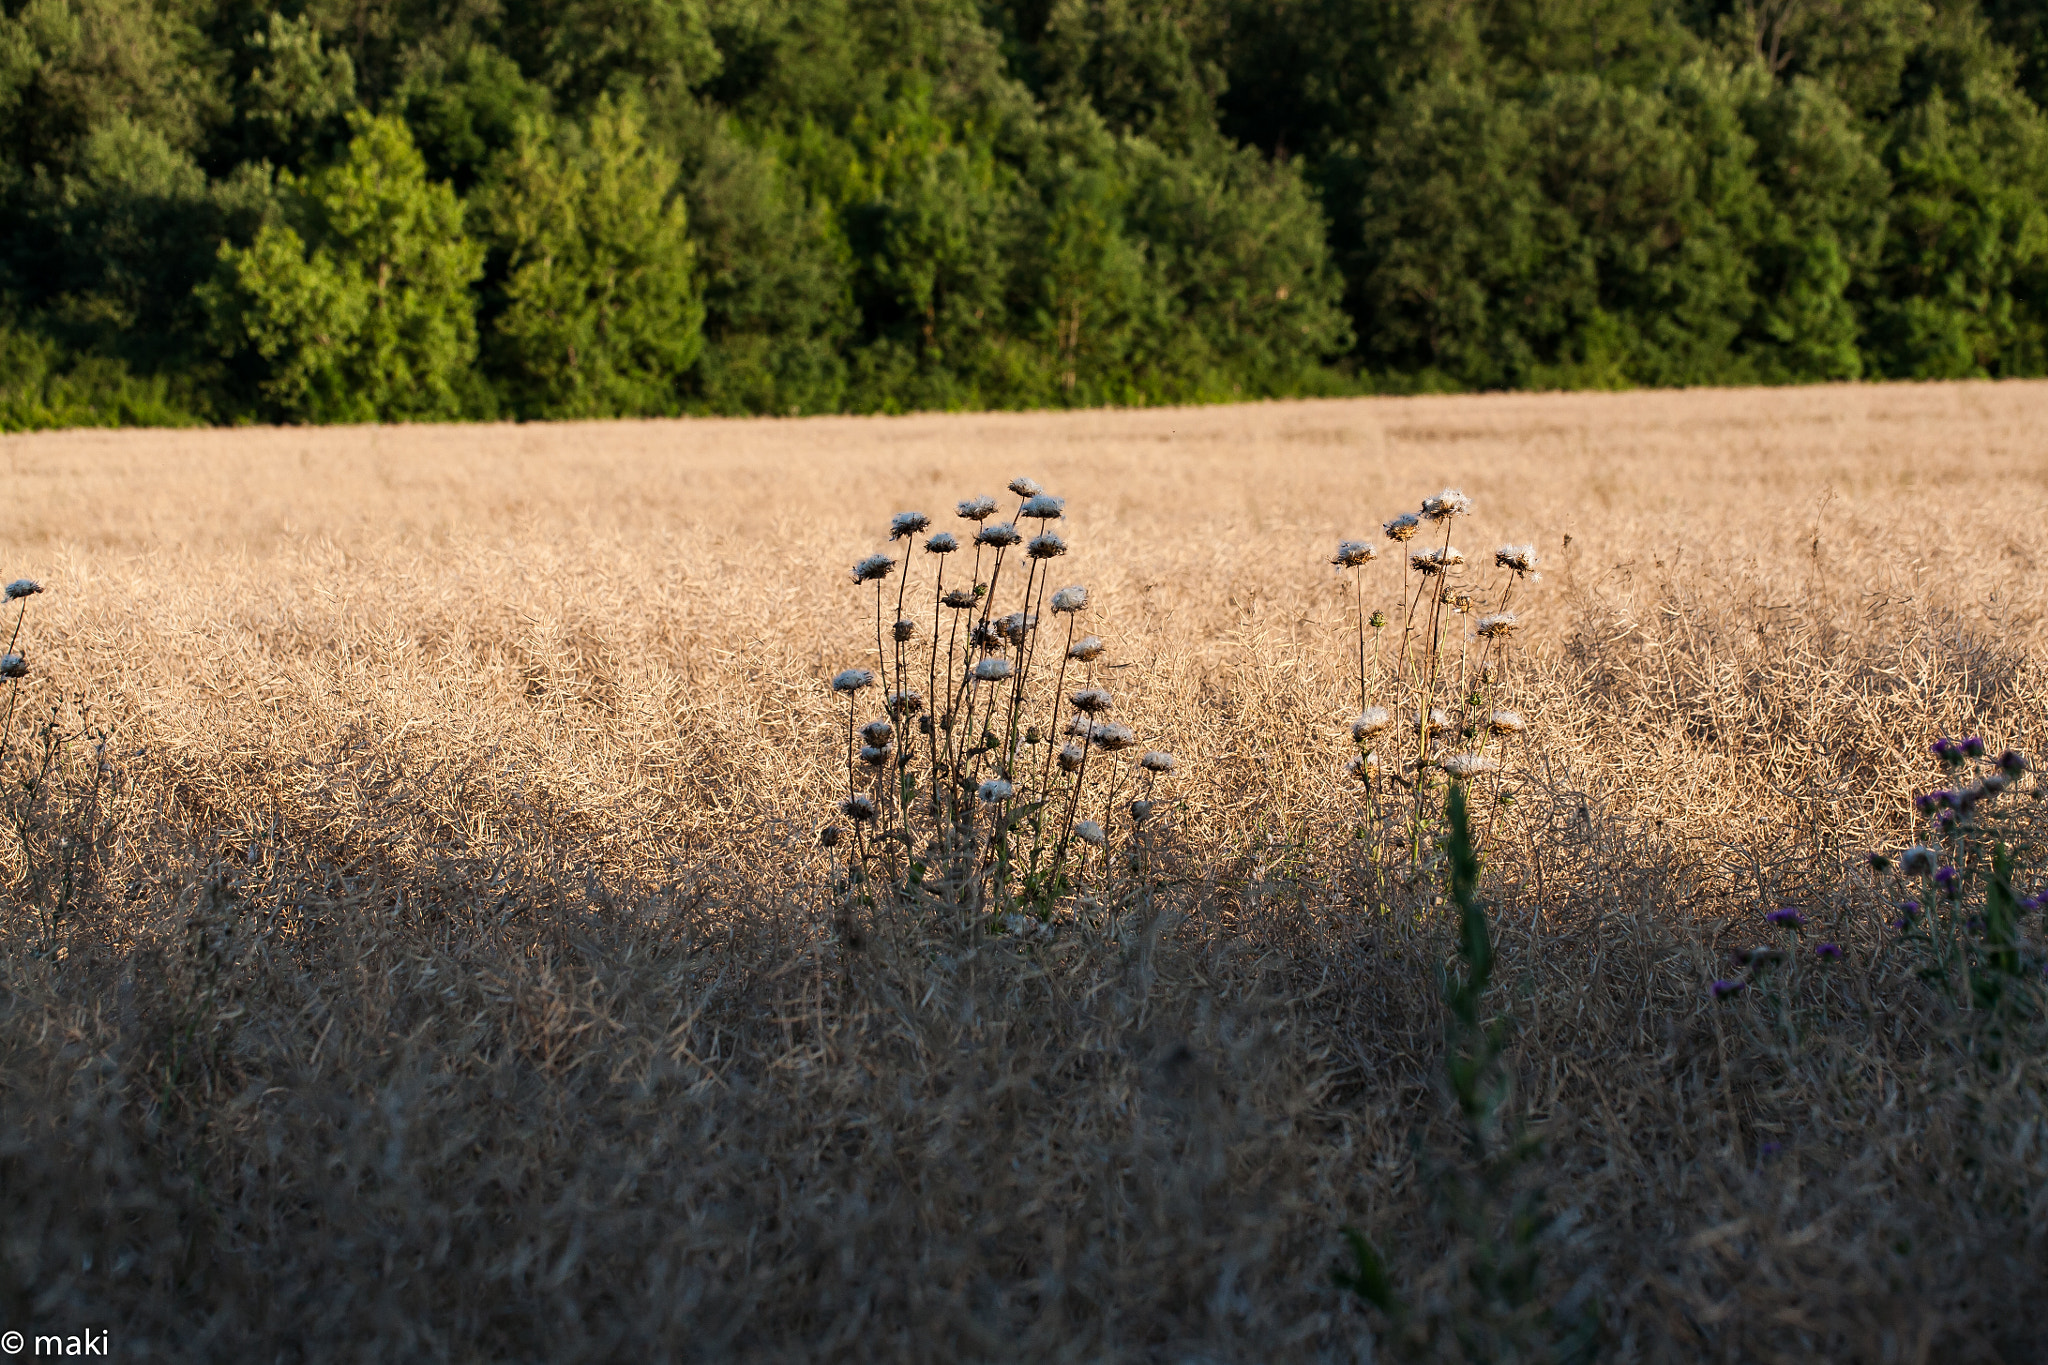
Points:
459	982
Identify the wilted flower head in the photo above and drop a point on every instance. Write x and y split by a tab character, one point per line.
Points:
1016	626
1070	599
2012	763
976	509
1043	507
906	524
992	670
877	732
1110	737
851	680
1468	765
1088	832
1070	758
1506	723
1918	861
1363	766
959	599
903	629
1352	553
1001	535
905	703
1092	700
987	635
1156	762
1438	721
23	587
1459	600
1025	488
1435	561
1141	811
13	666
1402	527
994	790
859	809
1046	546
872	568
830	836
1087	649
874	755
1499	625
1370	721
1723	989
1786	917
1828	952
944	543
1445	505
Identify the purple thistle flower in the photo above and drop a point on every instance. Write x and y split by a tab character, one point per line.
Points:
1973	747
1768	1150
1928	802
1786	917
1945	878
1723	989
1828	952
1944	749
2012	762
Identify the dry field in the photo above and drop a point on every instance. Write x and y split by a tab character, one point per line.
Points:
446	967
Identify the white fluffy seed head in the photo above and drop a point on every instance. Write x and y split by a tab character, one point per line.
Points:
906	524
1071	758
1088	832
1043	507
1092	700
1001	535
1468	765
944	543
1402	527
1436	560
904	629
1370	721
877	732
1046	546
1499	625
1506	722
992	670
1438	721
960	599
1363	767
1919	860
851	680
1016	626
13	666
1025	488
1087	649
1519	558
23	587
994	790
1352	553
1111	737
1070	599
872	568
874	755
1157	762
859	809
1445	505
976	509
905	703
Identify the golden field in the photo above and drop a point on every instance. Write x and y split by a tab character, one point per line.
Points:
448	972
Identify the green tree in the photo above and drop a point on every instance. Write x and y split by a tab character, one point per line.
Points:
601	313
358	308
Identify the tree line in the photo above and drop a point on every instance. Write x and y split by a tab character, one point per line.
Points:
388	210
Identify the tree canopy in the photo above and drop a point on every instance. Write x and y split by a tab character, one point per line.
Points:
396	210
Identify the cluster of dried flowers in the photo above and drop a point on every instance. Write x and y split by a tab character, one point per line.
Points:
977	785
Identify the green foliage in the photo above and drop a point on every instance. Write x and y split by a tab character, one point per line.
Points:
360	308
601	313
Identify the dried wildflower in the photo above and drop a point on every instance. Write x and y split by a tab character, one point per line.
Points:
1109	737
1506	723
875	755
987	635
1435	561
1445	505
904	629
1025	488
1352	553
830	836
1918	861
2012	763
1364	767
858	809
1016	626
992	670
1458	600
1521	559
1786	917
1370	721
976	509
1087	649
1046	546
1092	700
1141	811
1438	721
872	568
905	703
1468	765
1828	952
851	680
23	587
906	524
1723	989
1043	507
1070	599
1001	535
1402	527
877	732
1088	832
994	790
1070	758
1498	626
1157	762
960	599
944	543
13	666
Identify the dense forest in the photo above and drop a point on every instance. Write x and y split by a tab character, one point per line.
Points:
390	210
